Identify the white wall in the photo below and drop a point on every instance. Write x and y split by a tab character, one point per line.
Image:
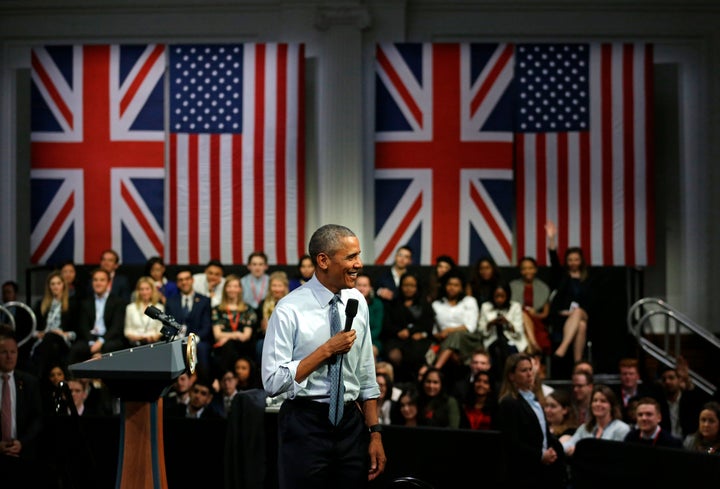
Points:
340	38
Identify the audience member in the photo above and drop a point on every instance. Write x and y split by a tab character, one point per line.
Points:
256	282
305	270
631	387
456	314
582	389
222	400
680	407
560	414
407	329
56	315
234	326
54	401
155	268
179	391
540	373
436	406
406	412
384	402
277	289
388	283
537	456
210	282
192	310
484	277
479	362
101	321
21	320
605	420
501	327
247	373
68	271
384	367
436	281
119	284
376	309
20	417
648	431
198	407
570	304
480	403
583	366
79	391
140	329
707	437
534	296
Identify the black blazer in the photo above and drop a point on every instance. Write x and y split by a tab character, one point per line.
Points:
28	412
114	322
198	321
664	439
523	434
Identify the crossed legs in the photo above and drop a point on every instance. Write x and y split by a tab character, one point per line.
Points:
575	334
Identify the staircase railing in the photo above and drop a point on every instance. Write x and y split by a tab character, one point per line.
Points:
640	319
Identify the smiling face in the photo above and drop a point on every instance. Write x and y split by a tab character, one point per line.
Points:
647	417
432	384
528	270
278	289
144	292
340	269
601	406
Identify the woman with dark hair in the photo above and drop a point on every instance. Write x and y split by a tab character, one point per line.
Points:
155	268
436	407
436	282
407	328
484	276
305	270
707	437
480	403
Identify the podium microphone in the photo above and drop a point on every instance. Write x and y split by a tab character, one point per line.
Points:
350	313
170	328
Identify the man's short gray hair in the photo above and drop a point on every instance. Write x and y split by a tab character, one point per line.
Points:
328	239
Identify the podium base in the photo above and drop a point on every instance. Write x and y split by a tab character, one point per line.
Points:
141	459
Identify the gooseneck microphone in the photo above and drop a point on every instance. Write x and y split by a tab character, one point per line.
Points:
170	328
350	313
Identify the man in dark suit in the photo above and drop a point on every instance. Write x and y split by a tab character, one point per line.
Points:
22	422
680	403
201	394
119	283
192	310
100	332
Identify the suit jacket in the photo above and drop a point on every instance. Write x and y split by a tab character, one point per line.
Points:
28	412
198	321
114	316
523	434
663	439
691	402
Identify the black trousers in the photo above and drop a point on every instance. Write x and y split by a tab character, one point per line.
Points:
312	453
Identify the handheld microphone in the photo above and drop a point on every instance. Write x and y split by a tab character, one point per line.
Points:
350	313
170	326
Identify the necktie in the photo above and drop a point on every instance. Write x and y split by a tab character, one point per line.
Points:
186	307
337	389
6	413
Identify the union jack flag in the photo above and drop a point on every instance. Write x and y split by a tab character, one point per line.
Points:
584	150
236	173
444	151
97	153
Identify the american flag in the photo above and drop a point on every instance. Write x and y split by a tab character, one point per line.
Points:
584	150
97	152
443	151
236	172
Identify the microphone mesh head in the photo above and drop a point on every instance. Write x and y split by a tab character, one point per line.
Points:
351	308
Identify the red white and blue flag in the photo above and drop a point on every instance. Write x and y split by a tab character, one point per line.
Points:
97	152
443	151
584	150
237	165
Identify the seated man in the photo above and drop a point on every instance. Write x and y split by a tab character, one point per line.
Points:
648	431
201	395
210	282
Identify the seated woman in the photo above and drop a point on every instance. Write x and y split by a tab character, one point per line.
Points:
436	407
155	268
56	316
534	296
407	329
480	404
234	326
278	287
140	329
570	304
456	315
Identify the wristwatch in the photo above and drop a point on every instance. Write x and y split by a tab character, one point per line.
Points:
376	428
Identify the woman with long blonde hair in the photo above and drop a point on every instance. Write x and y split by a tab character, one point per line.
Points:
140	329
278	288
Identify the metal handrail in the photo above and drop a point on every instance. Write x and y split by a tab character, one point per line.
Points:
638	318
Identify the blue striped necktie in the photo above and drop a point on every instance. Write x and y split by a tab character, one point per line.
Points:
337	389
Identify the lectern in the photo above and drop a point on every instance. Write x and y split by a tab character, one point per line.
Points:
138	376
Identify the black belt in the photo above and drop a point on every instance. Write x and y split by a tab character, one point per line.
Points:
315	404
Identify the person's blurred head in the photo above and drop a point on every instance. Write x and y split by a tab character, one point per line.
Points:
648	415
184	281
78	390
228	383
56	374
385	384
279	285
629	373
670	382
184	382
480	361
214	272
257	263
9	291
201	394
8	351
385	368
432	382
604	405
486	269
155	268
575	261
501	296
232	292
558	408
409	405
55	286
403	257
709	421
583	366
146	292
100	281
528	268
109	261
409	286
69	273
482	384
582	386
443	264
306	267
364	285
454	285
519	372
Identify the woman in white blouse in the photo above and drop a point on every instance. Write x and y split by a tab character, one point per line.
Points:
139	328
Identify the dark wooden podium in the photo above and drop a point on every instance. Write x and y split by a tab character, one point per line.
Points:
138	376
